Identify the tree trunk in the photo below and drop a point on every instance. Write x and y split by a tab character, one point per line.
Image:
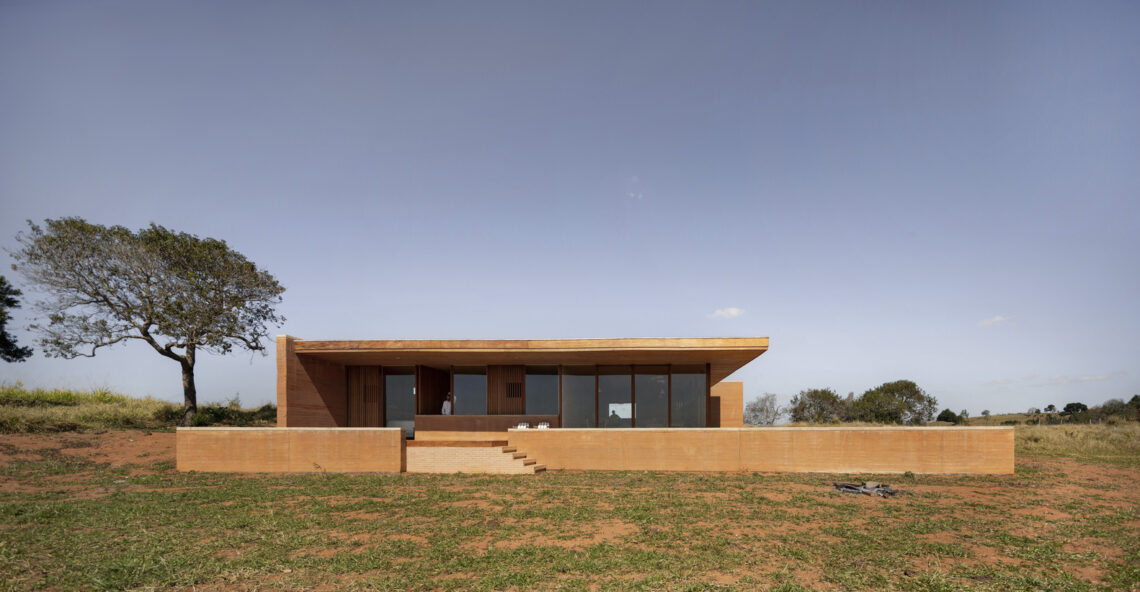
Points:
189	391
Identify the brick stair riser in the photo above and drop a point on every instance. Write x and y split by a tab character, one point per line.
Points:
467	460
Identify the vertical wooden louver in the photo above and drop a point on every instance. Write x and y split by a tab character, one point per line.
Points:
365	397
505	390
432	385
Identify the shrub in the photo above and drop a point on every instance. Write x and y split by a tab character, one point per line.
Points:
815	406
949	416
901	401
879	406
233	415
1075	408
1115	407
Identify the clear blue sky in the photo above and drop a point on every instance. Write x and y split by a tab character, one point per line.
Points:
945	192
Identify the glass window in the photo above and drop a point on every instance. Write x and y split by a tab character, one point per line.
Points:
615	397
470	391
542	390
651	384
400	399
578	397
688	397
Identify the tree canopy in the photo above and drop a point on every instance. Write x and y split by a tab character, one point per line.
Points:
901	401
172	290
815	406
879	406
9	350
1075	408
949	417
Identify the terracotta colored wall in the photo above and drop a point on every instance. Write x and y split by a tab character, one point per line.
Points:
310	392
835	450
727	405
290	450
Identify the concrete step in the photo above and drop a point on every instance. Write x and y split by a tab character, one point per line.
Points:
519	455
540	468
529	461
509	448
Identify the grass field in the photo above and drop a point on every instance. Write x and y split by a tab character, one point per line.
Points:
25	410
107	511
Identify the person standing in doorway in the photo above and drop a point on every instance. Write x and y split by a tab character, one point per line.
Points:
447	405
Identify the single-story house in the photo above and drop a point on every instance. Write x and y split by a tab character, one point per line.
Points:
518	406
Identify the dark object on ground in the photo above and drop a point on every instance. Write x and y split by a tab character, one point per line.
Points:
867	488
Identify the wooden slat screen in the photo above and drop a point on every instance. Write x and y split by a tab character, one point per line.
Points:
433	385
355	393
505	395
374	397
365	397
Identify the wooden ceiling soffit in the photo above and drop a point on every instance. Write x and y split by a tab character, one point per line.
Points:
724	355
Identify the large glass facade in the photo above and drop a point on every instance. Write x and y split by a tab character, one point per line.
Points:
542	390
615	397
688	396
651	385
470	391
400	399
585	396
578	389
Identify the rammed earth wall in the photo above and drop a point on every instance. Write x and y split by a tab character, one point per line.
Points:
290	450
981	450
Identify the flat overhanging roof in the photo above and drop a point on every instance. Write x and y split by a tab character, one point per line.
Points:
724	355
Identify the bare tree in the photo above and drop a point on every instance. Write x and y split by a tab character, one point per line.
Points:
763	411
177	293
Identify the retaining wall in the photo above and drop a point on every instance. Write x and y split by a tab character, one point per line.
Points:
981	450
290	450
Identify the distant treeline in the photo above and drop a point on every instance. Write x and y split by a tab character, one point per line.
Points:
903	402
1110	411
898	402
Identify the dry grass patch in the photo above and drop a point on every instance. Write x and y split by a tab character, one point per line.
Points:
1118	443
59	410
